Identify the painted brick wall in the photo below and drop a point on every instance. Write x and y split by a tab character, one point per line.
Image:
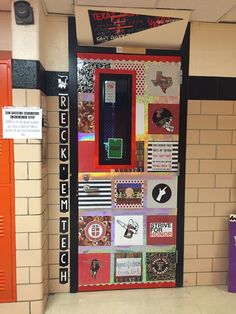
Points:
210	190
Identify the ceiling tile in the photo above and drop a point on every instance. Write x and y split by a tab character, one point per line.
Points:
59	6
5	5
118	3
230	16
202	10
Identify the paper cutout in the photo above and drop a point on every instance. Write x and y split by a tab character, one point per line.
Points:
95	231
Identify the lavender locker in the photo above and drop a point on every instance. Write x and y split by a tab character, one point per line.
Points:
232	254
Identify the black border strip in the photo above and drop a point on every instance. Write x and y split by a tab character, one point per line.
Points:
182	156
73	155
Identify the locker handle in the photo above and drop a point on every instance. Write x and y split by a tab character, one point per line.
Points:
88	189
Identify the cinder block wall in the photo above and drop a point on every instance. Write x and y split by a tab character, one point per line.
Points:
31	216
210	190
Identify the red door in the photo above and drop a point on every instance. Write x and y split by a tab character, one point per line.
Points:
7	227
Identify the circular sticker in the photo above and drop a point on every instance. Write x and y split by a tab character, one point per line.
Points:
161	193
160	265
95	230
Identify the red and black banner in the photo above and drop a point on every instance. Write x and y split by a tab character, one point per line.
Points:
108	26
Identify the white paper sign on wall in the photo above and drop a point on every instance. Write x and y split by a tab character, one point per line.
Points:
22	123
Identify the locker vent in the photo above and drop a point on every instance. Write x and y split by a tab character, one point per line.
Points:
2	281
1	227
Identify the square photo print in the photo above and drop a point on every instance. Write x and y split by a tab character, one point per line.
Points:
129	193
94	268
128	267
94	230
161	266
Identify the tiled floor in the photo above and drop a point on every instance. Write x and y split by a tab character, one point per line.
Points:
192	300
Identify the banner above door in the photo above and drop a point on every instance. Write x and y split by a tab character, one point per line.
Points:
125	27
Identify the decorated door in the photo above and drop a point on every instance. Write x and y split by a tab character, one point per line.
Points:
7	232
128	139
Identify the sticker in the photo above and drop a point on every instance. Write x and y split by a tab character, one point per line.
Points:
115	148
63	83
95	231
94	268
163	119
128	267
161	266
161	230
162	156
129	194
163	79
163	194
110	92
95	194
128	230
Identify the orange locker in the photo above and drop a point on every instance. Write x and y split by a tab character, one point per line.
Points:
7	217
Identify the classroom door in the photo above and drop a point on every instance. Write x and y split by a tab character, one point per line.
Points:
7	229
128	139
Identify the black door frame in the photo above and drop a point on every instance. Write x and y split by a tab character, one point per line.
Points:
73	49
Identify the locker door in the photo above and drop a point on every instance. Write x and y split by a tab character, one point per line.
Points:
7	233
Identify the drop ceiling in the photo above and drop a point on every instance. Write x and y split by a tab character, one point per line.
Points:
201	10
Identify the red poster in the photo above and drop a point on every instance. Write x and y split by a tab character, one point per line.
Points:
161	230
94	268
163	119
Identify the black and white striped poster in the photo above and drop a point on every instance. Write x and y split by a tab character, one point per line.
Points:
162	156
95	194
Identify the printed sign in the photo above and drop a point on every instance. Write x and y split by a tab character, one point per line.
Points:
129	193
22	123
162	156
108	26
161	230
110	91
128	267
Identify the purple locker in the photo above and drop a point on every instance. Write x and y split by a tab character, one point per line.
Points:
232	254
